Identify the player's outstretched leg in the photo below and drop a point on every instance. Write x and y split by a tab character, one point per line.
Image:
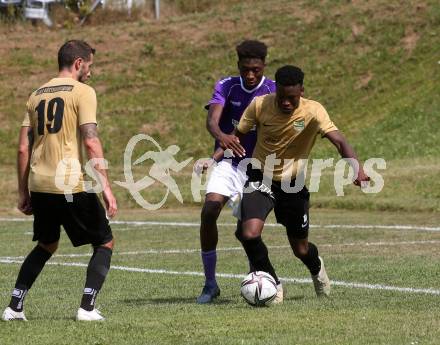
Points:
307	252
212	207
97	270
255	208
29	271
249	235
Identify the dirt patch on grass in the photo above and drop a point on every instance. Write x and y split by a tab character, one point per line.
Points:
3	118
410	40
309	16
364	81
160	126
357	30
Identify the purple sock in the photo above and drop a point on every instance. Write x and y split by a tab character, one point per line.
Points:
209	262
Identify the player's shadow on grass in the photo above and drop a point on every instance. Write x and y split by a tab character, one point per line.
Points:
171	300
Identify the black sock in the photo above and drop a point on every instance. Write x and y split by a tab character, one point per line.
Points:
29	271
258	255
97	270
311	260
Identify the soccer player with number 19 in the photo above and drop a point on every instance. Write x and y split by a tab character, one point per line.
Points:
60	126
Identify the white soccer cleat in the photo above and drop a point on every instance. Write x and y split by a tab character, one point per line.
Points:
321	282
279	297
84	315
11	315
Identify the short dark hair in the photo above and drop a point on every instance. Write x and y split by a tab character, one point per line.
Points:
72	50
251	49
289	76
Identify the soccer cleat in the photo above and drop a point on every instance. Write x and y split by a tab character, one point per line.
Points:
280	295
321	282
208	294
12	315
84	315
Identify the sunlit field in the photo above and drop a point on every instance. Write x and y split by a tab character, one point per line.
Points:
384	272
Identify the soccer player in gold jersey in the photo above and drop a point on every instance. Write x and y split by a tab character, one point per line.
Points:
287	127
58	134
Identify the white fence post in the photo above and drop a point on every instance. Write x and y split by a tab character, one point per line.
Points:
157	8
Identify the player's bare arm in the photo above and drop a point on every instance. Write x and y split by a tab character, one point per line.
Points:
213	119
346	151
89	133
212	124
26	139
218	154
203	165
235	145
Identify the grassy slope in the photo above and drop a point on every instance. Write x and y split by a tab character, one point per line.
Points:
373	65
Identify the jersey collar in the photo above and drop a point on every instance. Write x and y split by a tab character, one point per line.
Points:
255	88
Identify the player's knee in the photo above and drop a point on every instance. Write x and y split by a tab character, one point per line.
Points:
300	250
210	211
250	233
49	247
109	244
246	233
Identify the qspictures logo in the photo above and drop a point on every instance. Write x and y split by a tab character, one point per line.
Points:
164	165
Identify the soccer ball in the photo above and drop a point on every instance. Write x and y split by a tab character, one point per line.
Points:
258	288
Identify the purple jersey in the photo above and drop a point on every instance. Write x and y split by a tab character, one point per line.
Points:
231	93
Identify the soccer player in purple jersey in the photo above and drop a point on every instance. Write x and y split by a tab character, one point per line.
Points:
230	98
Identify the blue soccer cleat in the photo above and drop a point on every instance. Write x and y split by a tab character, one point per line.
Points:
208	294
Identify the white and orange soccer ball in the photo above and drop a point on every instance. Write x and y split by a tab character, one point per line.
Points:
258	289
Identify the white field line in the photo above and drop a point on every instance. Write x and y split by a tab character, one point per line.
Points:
194	224
240	276
232	249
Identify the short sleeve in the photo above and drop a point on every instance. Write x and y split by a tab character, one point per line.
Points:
272	87
325	124
219	94
248	119
27	117
87	106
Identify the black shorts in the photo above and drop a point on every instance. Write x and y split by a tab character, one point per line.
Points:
291	209
84	219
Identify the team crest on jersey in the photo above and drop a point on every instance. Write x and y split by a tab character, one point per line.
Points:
299	125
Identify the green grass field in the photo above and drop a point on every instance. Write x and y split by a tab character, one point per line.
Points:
149	296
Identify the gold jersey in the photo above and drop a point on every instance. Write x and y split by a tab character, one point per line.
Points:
289	136
54	112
